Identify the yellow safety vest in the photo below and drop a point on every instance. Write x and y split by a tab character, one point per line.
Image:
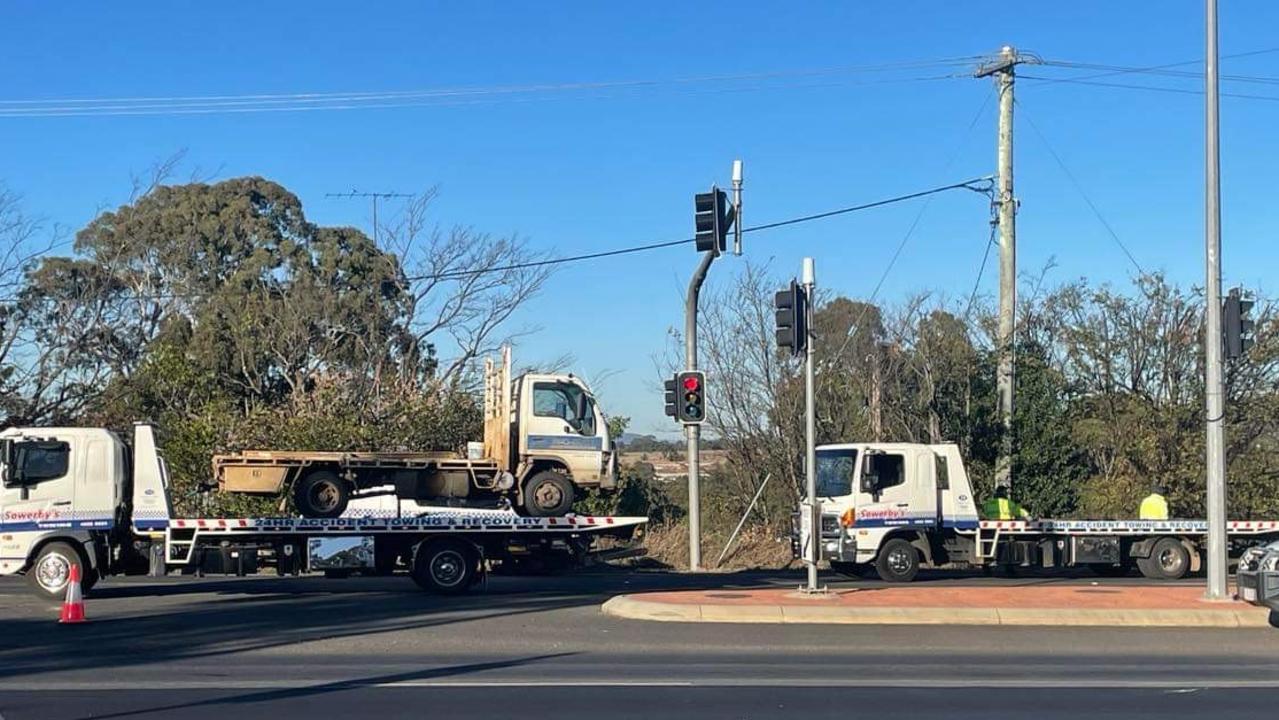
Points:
1154	507
1003	509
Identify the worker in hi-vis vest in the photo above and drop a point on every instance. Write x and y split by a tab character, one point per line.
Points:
1155	506
1000	507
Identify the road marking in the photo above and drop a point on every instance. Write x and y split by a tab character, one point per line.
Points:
1175	686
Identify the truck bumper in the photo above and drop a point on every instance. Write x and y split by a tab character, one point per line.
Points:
1259	587
836	545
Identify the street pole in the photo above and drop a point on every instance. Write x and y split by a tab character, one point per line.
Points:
692	432
808	279
1005	68
1214	386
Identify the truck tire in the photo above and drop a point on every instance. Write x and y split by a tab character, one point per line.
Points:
321	494
898	561
49	574
447	566
548	494
1169	560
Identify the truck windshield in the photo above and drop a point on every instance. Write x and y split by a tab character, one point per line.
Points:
835	472
561	400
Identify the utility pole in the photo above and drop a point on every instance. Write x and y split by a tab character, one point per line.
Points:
876	407
692	431
1214	385
1005	69
374	196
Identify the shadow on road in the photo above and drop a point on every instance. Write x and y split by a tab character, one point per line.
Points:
229	616
263	696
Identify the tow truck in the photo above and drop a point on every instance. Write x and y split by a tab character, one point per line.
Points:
896	507
81	496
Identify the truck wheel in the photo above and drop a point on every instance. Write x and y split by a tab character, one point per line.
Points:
321	495
898	561
1169	560
548	494
446	566
51	571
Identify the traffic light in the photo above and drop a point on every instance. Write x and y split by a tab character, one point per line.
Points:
712	218
691	388
1236	325
792	318
672	397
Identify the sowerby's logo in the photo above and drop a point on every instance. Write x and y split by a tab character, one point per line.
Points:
881	514
31	514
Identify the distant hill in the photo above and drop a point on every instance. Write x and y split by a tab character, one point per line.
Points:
634	442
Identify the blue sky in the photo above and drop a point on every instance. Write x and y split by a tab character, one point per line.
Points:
590	170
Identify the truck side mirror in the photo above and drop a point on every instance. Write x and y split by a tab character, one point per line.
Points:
868	481
868	484
583	406
8	463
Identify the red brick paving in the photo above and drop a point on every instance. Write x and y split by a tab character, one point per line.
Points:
1030	596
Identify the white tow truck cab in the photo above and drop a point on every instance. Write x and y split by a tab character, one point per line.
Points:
81	496
894	507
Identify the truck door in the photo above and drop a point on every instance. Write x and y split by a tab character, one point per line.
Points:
891	492
563	424
39	485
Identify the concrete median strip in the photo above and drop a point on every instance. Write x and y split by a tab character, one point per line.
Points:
701	607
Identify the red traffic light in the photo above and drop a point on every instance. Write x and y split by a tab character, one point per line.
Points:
691	383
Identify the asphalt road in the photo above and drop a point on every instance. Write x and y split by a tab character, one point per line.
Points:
539	647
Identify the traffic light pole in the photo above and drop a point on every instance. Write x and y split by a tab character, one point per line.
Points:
692	432
810	431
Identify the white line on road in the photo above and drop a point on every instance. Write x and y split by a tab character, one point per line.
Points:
1184	685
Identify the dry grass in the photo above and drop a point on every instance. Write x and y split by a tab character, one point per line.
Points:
756	548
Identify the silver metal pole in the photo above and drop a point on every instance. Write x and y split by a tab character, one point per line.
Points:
1214	385
809	280
692	433
742	522
1007	268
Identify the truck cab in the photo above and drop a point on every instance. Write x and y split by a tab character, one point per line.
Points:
563	443
65	499
547	432
886	504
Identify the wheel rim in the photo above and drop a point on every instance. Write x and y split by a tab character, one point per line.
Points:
548	495
899	561
448	568
53	572
1170	560
324	496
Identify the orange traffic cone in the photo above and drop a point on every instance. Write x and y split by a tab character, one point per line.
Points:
73	606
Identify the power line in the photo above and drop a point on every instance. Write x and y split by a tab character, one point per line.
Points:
972	297
1152	88
1080	188
989	180
1119	70
967	184
973	184
179	105
1160	71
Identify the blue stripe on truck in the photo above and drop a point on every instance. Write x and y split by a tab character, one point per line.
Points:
99	524
564	442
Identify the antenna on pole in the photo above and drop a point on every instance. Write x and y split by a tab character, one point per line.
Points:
372	195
